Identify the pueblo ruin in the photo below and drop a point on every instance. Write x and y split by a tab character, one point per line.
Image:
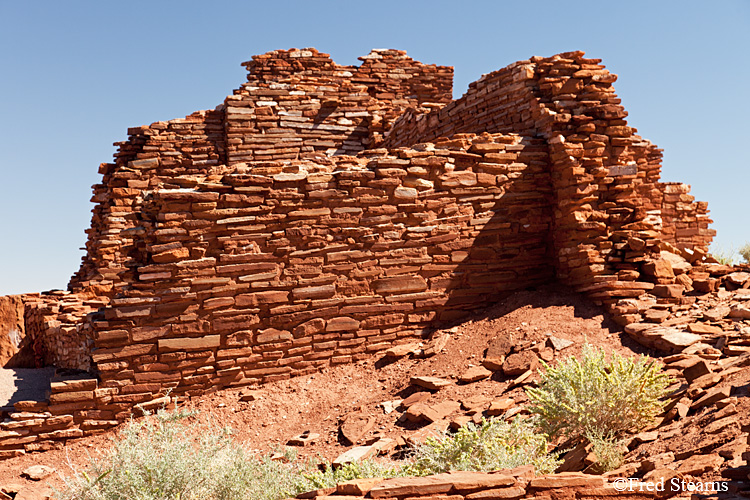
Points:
323	214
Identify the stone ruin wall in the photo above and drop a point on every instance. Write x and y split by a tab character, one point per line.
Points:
606	178
511	484
275	271
260	240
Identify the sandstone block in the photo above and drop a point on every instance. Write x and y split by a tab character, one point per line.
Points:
189	344
342	324
474	374
430	383
259	298
697	465
399	284
520	362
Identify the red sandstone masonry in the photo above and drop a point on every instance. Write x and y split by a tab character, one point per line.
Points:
277	270
295	103
506	484
604	176
299	101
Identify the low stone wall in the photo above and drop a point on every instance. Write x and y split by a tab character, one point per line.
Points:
510	484
77	407
58	329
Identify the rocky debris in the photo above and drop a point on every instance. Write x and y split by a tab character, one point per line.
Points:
697	465
500	406
430	383
520	362
401	350
248	395
474	374
303	439
357	487
475	404
559	344
37	472
415	398
353	455
432	413
10	490
438	343
391	406
495	355
354	426
15	491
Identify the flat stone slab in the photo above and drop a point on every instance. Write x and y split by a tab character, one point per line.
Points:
430	383
24	384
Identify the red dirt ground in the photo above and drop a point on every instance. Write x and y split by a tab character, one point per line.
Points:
317	402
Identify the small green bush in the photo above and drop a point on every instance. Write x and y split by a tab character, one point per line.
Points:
492	445
599	397
608	450
745	252
723	255
355	470
160	458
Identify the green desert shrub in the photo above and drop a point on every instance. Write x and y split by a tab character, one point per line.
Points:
726	256
355	470
492	445
164	457
599	399
744	251
608	449
594	394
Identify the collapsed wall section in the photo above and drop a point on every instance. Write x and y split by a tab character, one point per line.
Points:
298	102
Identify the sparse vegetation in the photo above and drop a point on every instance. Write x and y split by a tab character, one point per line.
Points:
492	445
744	251
608	451
160	457
599	399
593	394
355	470
726	256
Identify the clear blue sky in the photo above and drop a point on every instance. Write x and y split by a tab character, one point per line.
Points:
74	75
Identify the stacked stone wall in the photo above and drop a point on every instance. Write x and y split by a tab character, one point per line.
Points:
610	208
298	102
685	221
152	155
278	270
57	328
505	484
